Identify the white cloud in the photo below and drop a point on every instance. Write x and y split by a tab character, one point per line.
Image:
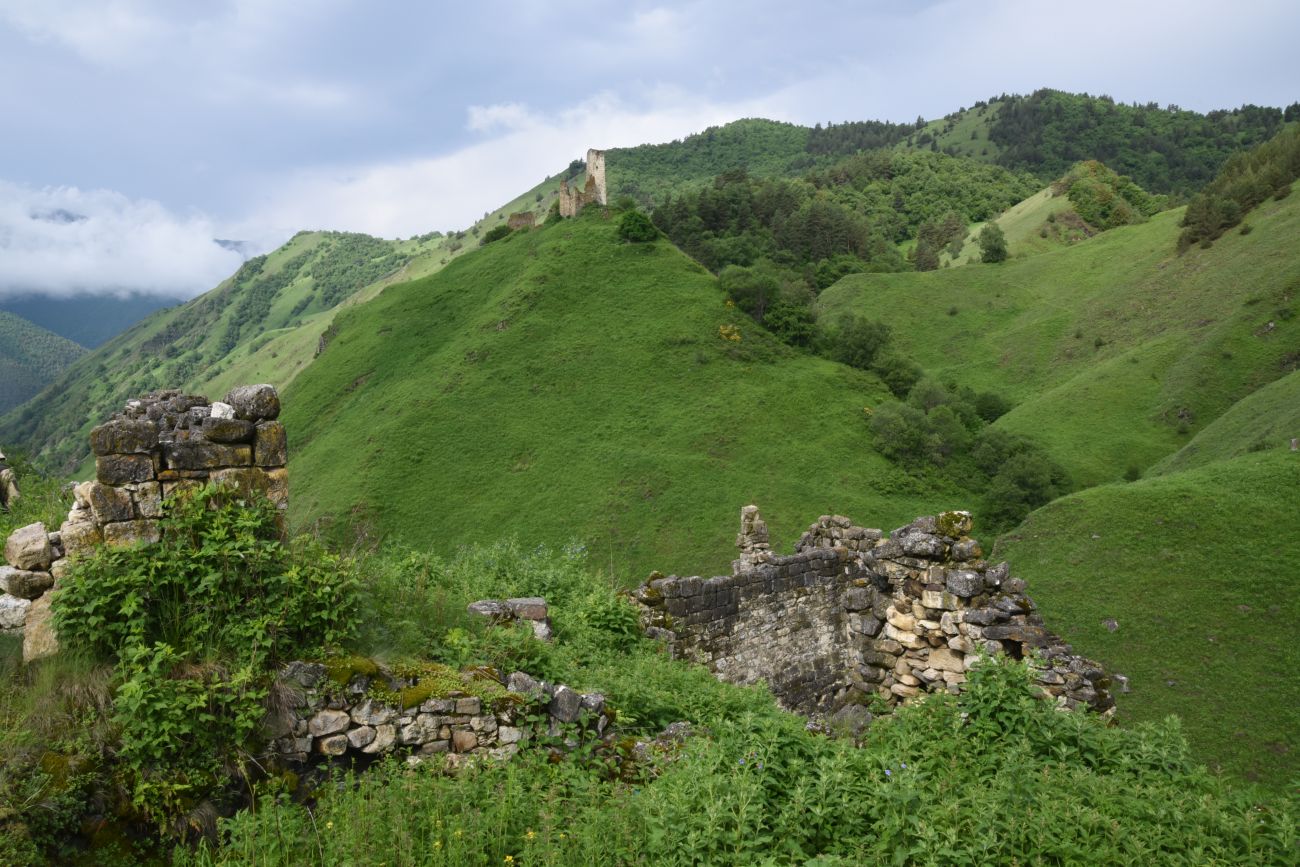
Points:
401	198
115	32
64	241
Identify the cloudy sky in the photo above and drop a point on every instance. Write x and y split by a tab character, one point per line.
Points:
132	132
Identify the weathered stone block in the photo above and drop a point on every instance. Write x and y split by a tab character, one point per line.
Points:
13	611
247	481
124	437
125	469
528	608
469	705
228	431
148	499
332	745
24	584
39	638
565	705
132	533
857	598
271	446
360	737
109	504
254	402
205	456
327	722
29	548
385	737
277	490
964	583
463	742
943	659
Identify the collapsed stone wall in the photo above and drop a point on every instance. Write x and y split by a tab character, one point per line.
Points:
323	717
572	201
855	612
160	443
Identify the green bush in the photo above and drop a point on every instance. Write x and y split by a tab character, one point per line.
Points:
635	226
993	244
496	233
858	341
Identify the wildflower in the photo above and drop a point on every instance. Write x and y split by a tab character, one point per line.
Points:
329	825
530	835
888	772
742	761
510	859
904	765
457	832
437	844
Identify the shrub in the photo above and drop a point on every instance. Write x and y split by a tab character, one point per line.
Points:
635	226
496	233
858	341
993	244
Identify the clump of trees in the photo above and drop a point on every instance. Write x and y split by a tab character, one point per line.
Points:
1247	180
949	426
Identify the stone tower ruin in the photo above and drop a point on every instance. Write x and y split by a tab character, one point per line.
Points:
593	191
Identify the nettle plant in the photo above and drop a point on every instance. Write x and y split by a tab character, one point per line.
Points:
194	625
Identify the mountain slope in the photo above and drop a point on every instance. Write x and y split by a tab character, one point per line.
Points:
262	324
1114	351
88	320
1198	569
30	358
561	384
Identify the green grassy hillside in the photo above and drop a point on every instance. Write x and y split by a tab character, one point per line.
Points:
262	324
1115	351
561	384
30	358
1198	568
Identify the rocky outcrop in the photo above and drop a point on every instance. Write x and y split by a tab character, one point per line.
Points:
593	191
159	444
855	612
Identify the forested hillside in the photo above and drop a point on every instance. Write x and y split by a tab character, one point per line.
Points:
30	358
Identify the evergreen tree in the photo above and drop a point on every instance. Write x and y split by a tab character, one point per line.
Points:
993	244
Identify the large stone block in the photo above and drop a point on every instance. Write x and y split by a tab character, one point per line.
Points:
125	469
29	548
24	584
148	499
278	487
79	536
254	402
132	533
124	437
248	481
206	456
228	430
39	638
110	504
385	737
328	722
271	446
13	611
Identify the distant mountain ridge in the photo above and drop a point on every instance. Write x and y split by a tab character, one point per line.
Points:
86	319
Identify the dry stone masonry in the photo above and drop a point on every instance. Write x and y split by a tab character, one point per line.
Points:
326	718
855	612
161	443
572	201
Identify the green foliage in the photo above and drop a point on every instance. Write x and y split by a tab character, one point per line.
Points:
41	497
1105	199
935	784
1247	180
496	233
1167	150
857	341
193	625
635	226
993	244
791	323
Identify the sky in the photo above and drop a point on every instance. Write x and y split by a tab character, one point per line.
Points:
134	132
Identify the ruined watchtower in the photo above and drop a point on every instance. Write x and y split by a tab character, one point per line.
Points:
572	201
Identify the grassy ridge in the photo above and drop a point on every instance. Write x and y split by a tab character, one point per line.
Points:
563	384
1198	569
30	357
1115	350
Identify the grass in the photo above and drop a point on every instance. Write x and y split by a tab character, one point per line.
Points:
561	384
1198	568
1114	350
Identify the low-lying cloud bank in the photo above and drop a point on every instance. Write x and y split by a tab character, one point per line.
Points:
65	241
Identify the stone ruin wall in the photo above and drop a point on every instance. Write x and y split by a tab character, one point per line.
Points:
326	718
594	190
855	612
158	444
